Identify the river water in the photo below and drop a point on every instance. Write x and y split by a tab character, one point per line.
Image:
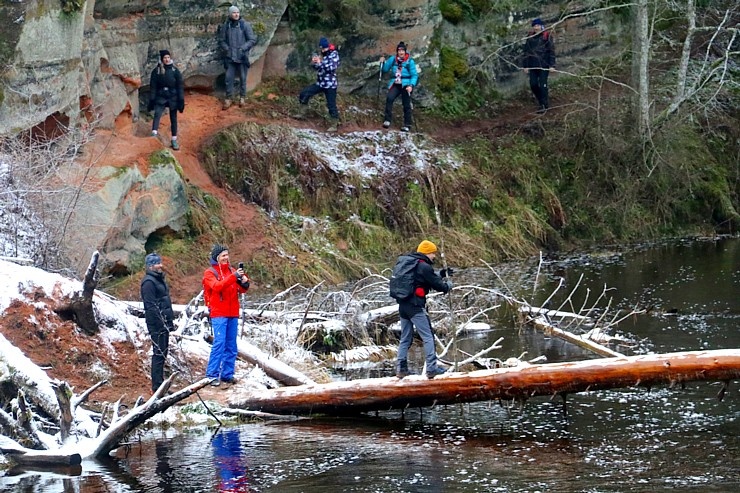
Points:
680	439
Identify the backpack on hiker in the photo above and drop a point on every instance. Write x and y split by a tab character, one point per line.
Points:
403	279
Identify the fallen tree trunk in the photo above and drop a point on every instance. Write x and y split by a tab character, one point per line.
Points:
522	382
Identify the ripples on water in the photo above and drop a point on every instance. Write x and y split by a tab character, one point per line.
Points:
609	441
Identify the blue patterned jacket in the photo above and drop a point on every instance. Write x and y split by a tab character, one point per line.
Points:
326	70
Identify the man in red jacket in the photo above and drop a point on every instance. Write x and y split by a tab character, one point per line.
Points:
222	285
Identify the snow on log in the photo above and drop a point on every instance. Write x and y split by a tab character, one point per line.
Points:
522	382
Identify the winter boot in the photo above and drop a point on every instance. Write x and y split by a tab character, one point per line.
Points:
175	145
402	369
227	104
386	124
334	127
302	112
433	372
242	102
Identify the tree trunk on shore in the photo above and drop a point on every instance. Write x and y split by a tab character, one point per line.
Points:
522	382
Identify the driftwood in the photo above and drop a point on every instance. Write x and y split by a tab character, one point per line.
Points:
80	306
541	323
111	437
522	382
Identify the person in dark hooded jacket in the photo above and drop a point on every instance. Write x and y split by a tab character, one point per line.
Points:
158	315
236	38
539	58
413	310
166	90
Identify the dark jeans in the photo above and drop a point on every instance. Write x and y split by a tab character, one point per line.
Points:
160	343
538	84
331	98
158	110
231	69
393	93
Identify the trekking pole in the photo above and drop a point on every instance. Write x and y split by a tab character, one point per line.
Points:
380	82
444	261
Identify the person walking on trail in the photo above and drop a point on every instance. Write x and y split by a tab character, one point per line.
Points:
402	84
326	65
412	309
166	90
222	285
158	314
236	38
539	58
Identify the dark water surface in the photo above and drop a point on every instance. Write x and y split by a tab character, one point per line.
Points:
609	441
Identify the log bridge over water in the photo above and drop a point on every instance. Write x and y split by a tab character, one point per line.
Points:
522	382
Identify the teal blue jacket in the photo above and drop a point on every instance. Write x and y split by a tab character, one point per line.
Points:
409	75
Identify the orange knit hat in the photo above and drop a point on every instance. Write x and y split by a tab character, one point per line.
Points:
426	247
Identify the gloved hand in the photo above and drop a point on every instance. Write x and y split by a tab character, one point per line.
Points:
150	106
446	272
448	281
181	106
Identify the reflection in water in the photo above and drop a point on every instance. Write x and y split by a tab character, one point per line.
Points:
163	469
229	461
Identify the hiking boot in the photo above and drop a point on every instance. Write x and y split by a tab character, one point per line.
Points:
405	129
402	370
334	126
242	102
302	112
230	381
215	382
386	124
175	145
542	109
155	133
227	104
434	372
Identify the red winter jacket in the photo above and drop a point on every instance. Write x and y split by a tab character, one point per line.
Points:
222	291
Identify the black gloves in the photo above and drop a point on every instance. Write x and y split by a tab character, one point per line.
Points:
448	281
181	106
446	272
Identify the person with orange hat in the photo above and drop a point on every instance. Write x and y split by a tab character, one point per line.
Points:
412	309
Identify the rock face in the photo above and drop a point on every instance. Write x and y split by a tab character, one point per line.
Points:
123	213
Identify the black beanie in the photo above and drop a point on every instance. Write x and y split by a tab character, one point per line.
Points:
401	46
217	250
162	53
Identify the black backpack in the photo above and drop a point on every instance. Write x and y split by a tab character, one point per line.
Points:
403	280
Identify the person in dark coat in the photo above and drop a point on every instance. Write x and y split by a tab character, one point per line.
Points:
158	314
326	66
539	58
166	90
405	78
413	310
236	38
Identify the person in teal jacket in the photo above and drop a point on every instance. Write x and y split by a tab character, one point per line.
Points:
402	84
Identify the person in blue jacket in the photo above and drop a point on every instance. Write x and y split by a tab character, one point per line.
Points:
402	84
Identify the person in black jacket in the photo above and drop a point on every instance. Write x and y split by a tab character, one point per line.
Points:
166	90
413	310
539	58
158	313
236	38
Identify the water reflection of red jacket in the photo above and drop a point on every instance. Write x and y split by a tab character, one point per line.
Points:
223	291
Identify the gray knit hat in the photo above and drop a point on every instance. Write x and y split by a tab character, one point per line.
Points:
233	9
217	250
